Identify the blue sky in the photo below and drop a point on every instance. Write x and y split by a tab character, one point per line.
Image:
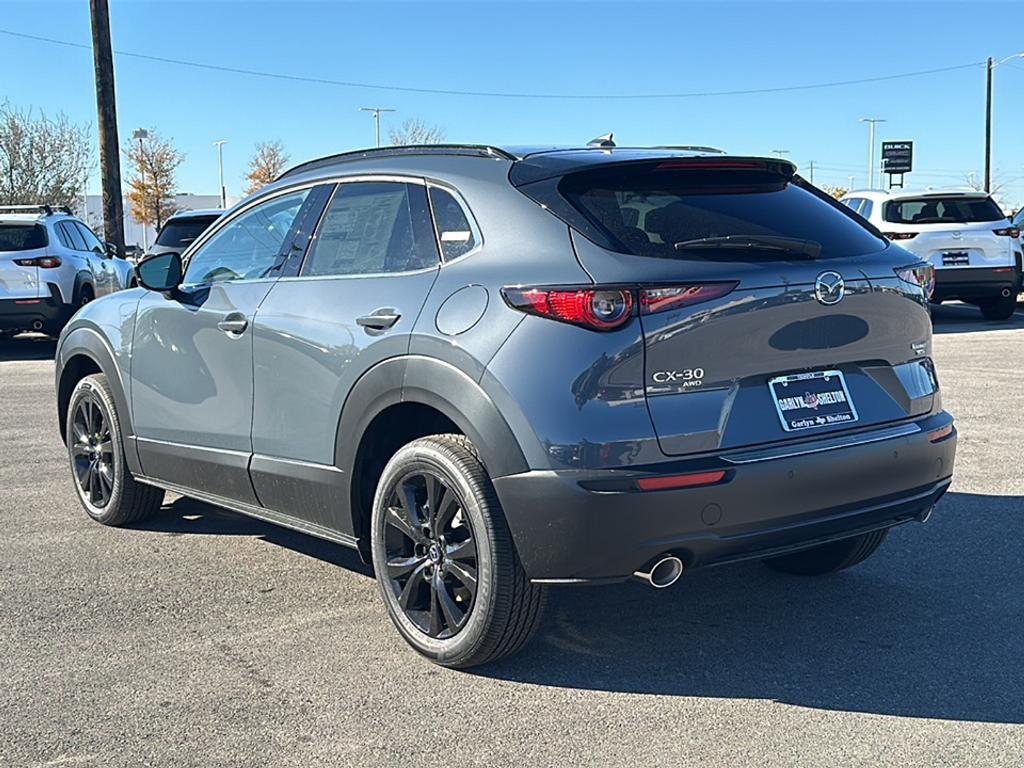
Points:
585	48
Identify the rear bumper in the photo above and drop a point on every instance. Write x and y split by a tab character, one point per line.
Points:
975	283
23	314
770	502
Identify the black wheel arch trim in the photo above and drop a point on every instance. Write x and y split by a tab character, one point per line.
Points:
83	278
439	385
88	342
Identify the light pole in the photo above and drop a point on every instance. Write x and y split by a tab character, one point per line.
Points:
989	66
871	147
220	162
141	134
780	152
851	178
376	118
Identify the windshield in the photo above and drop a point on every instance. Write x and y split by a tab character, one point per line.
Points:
647	211
22	237
180	232
942	210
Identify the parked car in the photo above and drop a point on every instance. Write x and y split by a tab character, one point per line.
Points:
181	230
1018	222
974	248
494	370
51	263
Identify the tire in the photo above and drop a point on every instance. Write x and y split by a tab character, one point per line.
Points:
422	558
1001	308
99	471
829	558
85	295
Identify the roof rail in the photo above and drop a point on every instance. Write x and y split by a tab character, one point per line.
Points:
42	208
472	150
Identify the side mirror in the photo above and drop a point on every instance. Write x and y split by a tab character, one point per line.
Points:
111	250
161	273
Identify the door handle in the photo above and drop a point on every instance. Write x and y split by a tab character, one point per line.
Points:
379	320
233	323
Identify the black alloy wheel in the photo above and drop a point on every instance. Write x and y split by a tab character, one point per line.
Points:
431	555
92	452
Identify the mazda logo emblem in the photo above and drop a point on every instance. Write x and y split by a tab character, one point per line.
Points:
829	288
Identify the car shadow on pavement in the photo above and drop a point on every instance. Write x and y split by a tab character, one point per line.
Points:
963	318
27	347
183	516
930	627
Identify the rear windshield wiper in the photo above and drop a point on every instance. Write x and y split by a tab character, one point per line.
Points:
809	249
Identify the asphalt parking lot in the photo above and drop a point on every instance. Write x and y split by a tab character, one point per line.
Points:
208	639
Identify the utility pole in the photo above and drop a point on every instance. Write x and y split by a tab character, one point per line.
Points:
780	152
871	147
811	167
106	110
220	161
989	66
376	118
852	179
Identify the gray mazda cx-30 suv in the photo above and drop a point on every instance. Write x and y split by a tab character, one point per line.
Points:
495	370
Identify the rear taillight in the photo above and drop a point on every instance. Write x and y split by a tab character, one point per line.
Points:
921	275
1007	232
900	235
600	309
43	262
654	300
606	309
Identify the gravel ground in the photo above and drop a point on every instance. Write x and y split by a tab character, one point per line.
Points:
208	639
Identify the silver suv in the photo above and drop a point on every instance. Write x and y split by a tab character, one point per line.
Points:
50	265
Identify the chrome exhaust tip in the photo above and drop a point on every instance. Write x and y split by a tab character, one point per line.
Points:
663	573
37	325
1006	293
926	515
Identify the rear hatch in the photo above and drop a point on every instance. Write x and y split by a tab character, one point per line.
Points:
768	312
952	231
20	242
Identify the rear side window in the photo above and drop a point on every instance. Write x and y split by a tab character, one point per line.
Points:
180	233
454	231
92	243
73	236
865	210
942	210
22	237
372	228
647	210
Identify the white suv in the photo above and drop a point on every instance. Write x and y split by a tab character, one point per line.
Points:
974	248
50	265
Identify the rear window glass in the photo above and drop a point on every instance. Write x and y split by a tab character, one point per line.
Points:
22	237
942	210
454	231
647	211
179	233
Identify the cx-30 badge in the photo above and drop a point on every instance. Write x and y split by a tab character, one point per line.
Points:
829	288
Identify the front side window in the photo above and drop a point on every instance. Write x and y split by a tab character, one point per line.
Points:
454	231
249	246
942	210
373	228
22	237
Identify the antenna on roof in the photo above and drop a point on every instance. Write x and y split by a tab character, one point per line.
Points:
608	140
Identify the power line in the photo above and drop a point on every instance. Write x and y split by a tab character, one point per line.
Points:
493	94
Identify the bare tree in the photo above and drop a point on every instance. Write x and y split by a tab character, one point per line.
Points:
836	191
415	131
998	187
265	165
42	159
154	162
